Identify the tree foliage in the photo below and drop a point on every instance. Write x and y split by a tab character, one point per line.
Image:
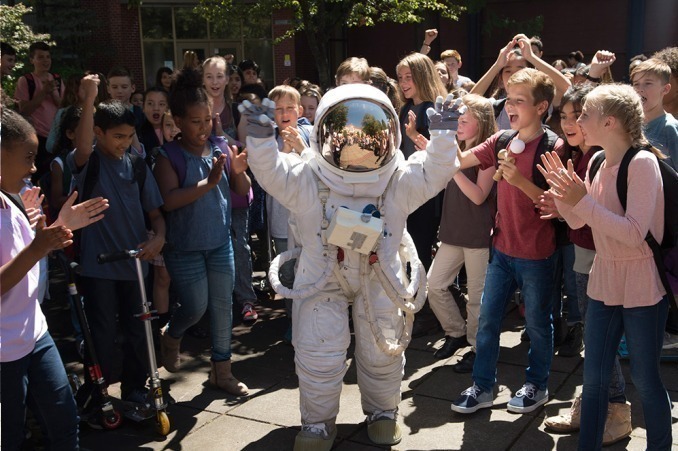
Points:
16	32
319	18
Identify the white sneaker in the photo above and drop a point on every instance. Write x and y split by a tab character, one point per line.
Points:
670	341
315	437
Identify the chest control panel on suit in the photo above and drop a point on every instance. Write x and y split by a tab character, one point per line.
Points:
354	230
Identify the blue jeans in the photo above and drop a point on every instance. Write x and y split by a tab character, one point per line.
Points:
535	280
617	382
564	276
644	329
243	291
204	280
40	379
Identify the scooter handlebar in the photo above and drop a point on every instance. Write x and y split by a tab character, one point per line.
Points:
117	256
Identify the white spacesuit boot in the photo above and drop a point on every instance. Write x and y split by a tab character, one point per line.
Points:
316	437
383	428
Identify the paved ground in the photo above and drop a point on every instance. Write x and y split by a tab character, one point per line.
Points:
206	419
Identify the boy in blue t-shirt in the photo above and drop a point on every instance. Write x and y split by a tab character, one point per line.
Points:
112	290
651	79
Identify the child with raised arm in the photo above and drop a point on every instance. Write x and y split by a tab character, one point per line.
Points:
112	290
522	249
512	58
627	295
618	423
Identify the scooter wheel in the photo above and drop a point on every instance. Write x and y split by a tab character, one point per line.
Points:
112	421
163	423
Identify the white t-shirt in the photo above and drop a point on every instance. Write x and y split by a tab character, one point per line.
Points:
21	320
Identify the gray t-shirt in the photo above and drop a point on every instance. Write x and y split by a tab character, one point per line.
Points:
662	133
123	225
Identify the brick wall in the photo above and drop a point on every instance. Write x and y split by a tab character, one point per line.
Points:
281	20
116	39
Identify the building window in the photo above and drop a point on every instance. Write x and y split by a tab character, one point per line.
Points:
169	31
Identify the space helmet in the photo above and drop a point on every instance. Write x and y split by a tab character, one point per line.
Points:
356	130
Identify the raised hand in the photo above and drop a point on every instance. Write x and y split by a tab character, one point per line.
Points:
600	62
258	118
445	114
502	59
430	36
90	86
32	198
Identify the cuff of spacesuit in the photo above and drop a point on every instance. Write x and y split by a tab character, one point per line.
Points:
436	133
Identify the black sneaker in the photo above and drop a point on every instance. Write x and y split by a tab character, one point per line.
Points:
465	365
451	345
574	342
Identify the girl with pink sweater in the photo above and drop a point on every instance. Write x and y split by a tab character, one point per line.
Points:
627	296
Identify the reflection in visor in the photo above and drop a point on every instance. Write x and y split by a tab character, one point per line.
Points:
357	135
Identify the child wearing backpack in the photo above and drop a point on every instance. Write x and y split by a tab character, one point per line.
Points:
627	295
109	169
195	173
618	423
522	250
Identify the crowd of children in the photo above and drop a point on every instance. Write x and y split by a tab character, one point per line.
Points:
169	165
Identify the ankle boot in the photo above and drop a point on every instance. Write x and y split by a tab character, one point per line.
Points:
568	422
169	352
222	377
618	423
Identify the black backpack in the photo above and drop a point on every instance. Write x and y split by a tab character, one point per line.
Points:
670	180
92	176
546	144
31	84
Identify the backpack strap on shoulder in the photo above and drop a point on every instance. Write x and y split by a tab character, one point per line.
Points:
623	175
91	177
139	170
503	140
546	144
176	159
596	163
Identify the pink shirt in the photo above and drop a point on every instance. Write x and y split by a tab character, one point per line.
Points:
519	231
43	115
623	271
21	320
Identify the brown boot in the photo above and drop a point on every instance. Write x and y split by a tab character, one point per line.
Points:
169	352
618	423
222	377
568	422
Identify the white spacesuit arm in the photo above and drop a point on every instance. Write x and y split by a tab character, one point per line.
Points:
286	177
428	172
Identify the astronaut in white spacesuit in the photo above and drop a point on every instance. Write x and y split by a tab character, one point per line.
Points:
349	196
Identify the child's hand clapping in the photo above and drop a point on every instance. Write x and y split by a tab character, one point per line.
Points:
217	170
292	140
239	161
48	239
566	185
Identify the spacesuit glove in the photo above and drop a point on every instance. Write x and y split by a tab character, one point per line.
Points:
445	114
259	118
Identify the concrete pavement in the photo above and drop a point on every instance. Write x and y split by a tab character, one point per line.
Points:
206	419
